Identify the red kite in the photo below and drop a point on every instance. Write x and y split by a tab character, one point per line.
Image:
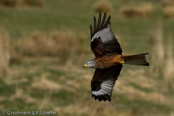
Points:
108	59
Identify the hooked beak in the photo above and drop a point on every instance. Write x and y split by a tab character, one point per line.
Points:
85	65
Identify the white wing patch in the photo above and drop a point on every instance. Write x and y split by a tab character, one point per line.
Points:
106	34
106	88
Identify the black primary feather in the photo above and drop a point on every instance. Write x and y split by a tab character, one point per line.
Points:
99	25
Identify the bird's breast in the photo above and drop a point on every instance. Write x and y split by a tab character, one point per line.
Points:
108	60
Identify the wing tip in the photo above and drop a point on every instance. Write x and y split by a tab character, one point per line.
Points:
100	25
100	14
102	97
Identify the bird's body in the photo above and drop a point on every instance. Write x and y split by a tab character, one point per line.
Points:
113	59
108	59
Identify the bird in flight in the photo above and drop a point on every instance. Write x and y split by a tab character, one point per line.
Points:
108	59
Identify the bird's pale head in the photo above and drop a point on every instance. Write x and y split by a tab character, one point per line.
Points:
90	64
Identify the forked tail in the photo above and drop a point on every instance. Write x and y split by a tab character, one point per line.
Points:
139	59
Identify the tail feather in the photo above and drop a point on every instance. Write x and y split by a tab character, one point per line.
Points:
139	59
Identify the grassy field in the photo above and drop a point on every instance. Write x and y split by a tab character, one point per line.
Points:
48	45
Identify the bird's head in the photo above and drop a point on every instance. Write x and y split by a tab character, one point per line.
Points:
90	64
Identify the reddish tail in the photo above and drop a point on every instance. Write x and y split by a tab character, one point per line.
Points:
139	59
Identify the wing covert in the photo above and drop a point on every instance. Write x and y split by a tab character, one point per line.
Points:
103	40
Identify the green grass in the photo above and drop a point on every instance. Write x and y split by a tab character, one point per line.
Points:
141	107
64	97
136	86
76	15
65	15
5	89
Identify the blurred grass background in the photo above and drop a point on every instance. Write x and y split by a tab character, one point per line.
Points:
44	43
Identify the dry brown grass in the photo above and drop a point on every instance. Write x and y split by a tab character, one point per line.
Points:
172	113
102	6
167	3
65	45
169	65
143	82
169	12
43	83
21	3
92	108
168	8
38	3
142	11
157	50
19	94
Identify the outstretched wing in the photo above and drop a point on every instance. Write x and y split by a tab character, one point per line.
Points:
103	82
103	40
